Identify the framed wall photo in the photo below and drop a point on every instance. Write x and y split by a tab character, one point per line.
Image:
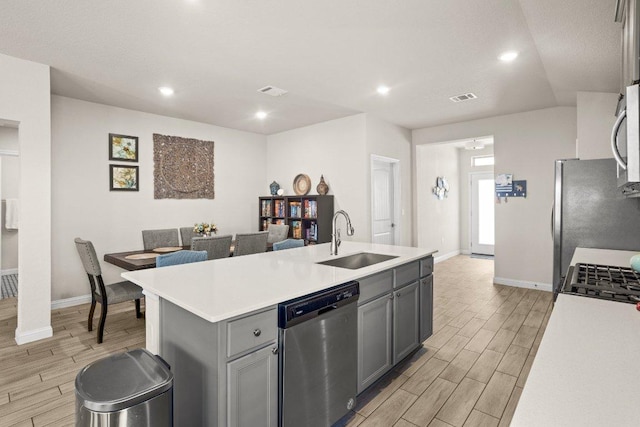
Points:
123	148
123	178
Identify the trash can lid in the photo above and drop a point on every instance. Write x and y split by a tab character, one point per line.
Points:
123	380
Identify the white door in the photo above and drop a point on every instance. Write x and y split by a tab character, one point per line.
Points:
382	201
482	213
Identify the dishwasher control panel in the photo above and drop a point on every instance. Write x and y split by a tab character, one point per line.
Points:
315	304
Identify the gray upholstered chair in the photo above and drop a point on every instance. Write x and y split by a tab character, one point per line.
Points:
217	247
104	294
288	244
277	232
152	239
251	243
186	234
180	257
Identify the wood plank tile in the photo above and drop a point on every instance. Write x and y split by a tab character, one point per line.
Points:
501	341
485	366
524	373
419	381
495	322
507	415
513	360
403	423
456	410
534	319
440	338
495	396
462	319
352	419
375	395
459	366
410	365
513	322
429	403
480	340
438	423
472	327
391	410
480	419
525	336
450	350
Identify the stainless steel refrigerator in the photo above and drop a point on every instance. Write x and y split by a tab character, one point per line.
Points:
589	211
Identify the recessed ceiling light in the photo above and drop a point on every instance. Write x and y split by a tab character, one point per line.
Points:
261	115
166	91
383	90
508	56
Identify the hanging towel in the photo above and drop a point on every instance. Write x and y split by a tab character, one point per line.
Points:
11	214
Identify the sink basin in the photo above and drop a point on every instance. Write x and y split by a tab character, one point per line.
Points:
356	261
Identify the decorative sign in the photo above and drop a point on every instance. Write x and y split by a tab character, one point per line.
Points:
183	168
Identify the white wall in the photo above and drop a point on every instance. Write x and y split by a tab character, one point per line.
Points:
26	99
525	144
438	221
335	149
84	207
596	116
388	140
465	168
10	170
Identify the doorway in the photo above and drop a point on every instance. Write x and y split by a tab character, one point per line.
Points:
9	195
482	213
385	200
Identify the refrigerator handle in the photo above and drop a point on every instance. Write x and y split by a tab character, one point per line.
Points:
614	139
552	222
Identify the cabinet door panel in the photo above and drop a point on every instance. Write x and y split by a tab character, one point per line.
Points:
252	389
426	307
405	321
374	340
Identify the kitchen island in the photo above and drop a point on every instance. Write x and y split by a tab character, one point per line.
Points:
216	321
582	374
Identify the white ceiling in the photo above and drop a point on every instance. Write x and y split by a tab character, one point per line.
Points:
330	55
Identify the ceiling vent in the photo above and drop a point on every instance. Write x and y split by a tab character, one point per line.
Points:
272	90
463	97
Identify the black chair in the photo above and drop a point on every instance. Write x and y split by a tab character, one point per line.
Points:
104	294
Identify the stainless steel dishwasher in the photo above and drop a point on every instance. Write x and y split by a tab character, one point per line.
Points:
318	356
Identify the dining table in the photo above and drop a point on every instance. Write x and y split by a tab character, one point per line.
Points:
143	259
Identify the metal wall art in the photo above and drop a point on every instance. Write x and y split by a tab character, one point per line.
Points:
182	168
441	190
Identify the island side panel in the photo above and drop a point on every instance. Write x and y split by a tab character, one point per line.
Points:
190	345
152	321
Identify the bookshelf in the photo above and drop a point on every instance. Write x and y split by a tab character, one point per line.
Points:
308	217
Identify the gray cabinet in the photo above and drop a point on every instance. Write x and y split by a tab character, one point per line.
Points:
426	307
406	335
374	340
252	388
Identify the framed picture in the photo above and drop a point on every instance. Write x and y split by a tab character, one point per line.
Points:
123	178
123	148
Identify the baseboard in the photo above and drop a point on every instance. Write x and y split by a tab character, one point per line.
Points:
8	271
34	335
446	256
523	284
70	302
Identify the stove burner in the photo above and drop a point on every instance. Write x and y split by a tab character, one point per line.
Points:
604	282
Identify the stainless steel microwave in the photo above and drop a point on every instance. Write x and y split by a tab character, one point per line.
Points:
625	142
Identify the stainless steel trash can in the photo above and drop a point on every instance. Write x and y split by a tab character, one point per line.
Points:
129	389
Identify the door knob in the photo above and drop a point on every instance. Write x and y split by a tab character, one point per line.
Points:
257	332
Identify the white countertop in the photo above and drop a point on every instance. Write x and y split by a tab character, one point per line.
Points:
220	289
584	371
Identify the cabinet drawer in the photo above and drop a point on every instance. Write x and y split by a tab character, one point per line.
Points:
406	273
375	285
426	266
251	331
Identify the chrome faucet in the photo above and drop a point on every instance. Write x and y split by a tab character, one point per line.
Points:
335	233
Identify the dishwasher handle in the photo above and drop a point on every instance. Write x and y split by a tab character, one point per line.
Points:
326	309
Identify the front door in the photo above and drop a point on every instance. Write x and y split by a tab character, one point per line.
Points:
482	213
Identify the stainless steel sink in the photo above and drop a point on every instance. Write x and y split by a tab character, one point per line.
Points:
356	261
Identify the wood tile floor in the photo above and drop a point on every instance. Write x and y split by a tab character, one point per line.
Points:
469	373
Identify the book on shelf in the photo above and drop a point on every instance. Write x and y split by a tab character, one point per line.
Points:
265	208
279	221
265	224
295	209
296	227
310	208
279	208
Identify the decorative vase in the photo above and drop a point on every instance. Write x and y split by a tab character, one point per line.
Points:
274	187
322	187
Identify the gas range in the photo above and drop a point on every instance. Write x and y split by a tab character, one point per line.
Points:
603	282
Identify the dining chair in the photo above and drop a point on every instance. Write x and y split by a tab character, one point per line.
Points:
288	244
217	247
277	232
104	294
152	239
250	243
186	234
180	257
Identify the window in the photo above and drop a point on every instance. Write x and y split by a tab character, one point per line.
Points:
482	161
